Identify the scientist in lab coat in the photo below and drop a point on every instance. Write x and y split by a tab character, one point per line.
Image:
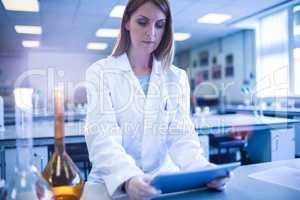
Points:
138	122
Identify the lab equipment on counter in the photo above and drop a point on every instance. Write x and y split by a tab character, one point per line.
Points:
26	183
61	172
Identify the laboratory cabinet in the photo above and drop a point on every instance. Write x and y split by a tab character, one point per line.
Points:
273	145
39	159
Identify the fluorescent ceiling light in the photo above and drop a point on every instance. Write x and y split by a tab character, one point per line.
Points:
21	5
181	36
110	33
96	46
28	29
30	43
117	11
214	18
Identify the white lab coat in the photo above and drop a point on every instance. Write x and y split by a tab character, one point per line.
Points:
128	133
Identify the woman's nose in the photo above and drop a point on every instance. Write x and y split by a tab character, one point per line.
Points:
150	32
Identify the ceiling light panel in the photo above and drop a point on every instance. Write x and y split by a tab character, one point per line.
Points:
30	43
21	5
181	36
214	18
28	29
96	46
117	11
109	33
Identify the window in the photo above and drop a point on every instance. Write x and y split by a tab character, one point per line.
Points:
273	55
296	50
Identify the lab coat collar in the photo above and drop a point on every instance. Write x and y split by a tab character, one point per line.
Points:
156	66
123	64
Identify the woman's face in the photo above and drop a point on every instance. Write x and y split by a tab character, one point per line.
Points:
146	26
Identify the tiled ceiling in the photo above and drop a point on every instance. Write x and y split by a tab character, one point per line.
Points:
68	25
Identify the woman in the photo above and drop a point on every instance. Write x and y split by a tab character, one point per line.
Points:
138	121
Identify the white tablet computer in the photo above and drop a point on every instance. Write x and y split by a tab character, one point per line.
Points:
179	181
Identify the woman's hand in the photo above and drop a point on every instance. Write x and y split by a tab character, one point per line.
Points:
219	183
138	187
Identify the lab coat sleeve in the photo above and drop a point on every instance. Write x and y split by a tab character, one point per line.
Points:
182	140
110	161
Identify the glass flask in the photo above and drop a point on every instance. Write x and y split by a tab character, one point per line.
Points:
26	182
61	172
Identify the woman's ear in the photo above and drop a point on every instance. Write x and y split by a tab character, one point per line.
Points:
127	25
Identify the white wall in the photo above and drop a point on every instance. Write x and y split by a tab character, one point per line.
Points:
242	46
60	68
11	66
42	70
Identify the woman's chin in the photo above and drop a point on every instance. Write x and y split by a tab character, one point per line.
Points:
147	49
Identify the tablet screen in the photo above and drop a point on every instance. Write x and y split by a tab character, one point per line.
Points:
179	181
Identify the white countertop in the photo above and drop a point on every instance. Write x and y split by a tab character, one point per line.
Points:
237	120
264	109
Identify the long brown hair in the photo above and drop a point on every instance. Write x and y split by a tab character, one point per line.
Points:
165	51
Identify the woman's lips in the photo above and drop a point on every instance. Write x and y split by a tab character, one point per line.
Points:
149	42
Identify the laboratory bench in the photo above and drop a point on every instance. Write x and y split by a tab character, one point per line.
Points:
288	112
276	134
285	112
270	136
43	145
250	182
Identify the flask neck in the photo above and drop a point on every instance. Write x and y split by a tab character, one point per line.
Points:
24	153
59	133
59	146
59	114
59	122
59	126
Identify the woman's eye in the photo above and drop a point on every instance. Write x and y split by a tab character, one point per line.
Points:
160	25
142	22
